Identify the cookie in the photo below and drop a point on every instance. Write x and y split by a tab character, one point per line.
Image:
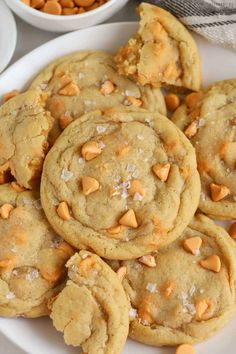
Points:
121	183
32	255
88	80
162	52
92	310
208	120
24	127
185	292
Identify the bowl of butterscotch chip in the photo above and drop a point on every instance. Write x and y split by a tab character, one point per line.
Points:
64	15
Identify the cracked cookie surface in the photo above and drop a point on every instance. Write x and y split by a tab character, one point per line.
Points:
122	183
162	52
92	310
208	120
88	80
187	293
32	255
24	128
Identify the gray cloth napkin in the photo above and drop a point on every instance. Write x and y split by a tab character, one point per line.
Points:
213	19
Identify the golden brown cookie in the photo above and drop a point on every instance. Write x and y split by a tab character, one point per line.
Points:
185	292
24	128
122	183
32	255
162	52
208	119
87	80
92	310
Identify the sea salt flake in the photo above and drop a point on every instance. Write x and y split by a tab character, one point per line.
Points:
13	249
43	86
133	312
137	197
140	137
66	175
101	129
34	274
201	291
81	160
10	295
129	93
151	287
191	309
85	255
87	102
145	322
203	196
201	122
124	194
74	268
196	252
37	204
101	144
192	290
81	76
15	272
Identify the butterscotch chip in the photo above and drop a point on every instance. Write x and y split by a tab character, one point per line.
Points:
5	210
121	272
193	245
172	102
185	349
114	230
107	88
89	185
148	260
193	99
63	211
156	55
18	188
133	101
212	263
24	116
88	69
136	187
90	150
129	219
65	120
122	150
37	4
84	314
52	7
84	3
70	89
176	295
109	190
232	230
162	171
191	129
211	114
10	95
218	192
201	308
32	255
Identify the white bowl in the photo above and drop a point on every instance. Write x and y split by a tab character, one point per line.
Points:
56	23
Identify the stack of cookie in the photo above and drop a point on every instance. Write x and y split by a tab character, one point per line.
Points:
90	167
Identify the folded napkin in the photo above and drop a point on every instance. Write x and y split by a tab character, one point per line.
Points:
213	19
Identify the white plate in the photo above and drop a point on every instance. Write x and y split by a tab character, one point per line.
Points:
38	336
7	35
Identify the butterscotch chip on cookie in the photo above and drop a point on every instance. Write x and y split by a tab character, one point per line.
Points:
32	255
88	80
92	310
162	52
122	183
24	128
189	294
208	119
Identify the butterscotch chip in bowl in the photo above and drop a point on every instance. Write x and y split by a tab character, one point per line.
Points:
119	205
92	310
208	119
32	255
24	128
183	297
162	52
87	80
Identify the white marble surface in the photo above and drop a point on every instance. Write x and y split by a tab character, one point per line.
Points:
28	39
